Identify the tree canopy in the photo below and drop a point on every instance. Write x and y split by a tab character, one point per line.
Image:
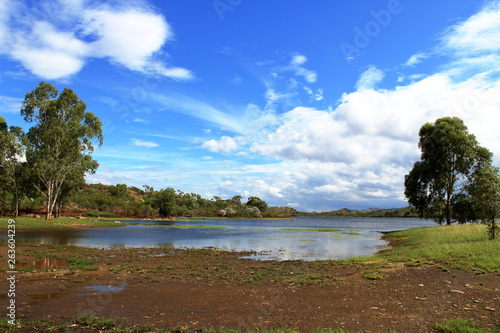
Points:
484	192
61	141
450	157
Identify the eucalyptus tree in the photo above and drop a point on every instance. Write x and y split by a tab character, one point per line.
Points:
12	165
485	197
257	202
165	202
450	156
60	143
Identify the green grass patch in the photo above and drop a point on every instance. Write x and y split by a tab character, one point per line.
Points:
187	226
466	247
311	229
82	264
459	326
26	223
91	321
374	276
99	214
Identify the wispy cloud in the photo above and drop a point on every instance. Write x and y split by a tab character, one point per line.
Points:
142	143
476	35
10	104
416	58
296	67
224	116
370	78
141	121
473	44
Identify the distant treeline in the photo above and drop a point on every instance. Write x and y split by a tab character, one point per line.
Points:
98	200
373	212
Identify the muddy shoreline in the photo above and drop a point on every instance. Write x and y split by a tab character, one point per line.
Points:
201	289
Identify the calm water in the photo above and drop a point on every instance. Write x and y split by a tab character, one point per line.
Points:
303	238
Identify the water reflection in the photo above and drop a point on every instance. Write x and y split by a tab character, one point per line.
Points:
287	239
42	264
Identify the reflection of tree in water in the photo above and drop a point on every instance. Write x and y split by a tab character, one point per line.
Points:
66	237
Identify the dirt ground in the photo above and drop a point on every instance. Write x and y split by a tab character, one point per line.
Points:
193	290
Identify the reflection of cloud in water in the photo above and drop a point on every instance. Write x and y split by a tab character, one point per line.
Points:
266	237
321	246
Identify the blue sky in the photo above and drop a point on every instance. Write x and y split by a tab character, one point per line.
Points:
311	104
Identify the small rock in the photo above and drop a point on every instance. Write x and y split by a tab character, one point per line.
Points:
490	308
421	285
421	298
457	292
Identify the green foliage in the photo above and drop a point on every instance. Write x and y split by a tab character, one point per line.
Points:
165	201
258	203
60	142
13	172
449	158
99	214
254	212
485	194
374	212
119	191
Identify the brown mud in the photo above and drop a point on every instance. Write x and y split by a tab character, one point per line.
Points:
193	290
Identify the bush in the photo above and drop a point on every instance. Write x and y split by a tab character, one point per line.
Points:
99	214
254	212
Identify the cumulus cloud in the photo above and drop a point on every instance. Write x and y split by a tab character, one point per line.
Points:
128	36
225	145
361	150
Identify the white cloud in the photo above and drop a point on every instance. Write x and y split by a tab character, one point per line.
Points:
298	60
129	36
416	59
141	121
295	66
225	145
370	78
142	143
361	150
10	104
478	34
473	44
223	115
356	154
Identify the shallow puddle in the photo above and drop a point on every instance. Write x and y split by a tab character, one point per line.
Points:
42	264
42	297
102	287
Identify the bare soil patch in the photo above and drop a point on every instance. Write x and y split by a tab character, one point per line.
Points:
193	290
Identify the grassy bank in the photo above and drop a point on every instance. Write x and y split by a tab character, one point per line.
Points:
26	223
91	323
465	247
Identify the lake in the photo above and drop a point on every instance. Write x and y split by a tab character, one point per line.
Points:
301	238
